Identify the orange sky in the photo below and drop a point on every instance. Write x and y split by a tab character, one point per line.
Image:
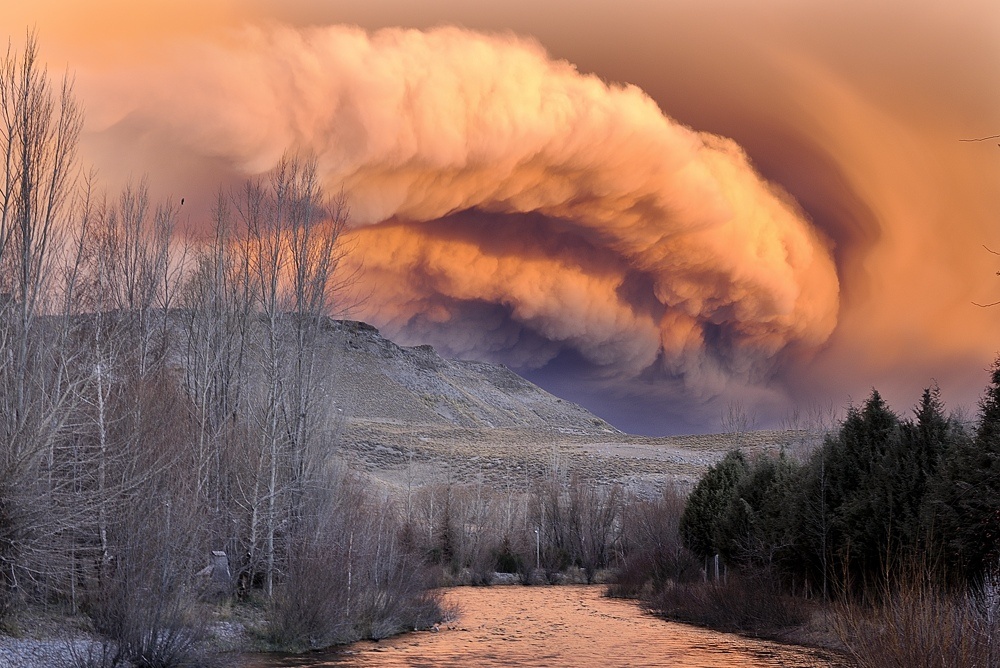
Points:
545	212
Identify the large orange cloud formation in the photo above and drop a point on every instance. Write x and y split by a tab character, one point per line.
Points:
809	227
490	183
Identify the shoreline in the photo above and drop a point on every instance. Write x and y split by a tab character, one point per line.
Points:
569	625
49	639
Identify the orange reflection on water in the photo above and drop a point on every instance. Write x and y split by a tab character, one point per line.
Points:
561	626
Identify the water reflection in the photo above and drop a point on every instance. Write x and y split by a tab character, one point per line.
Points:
556	626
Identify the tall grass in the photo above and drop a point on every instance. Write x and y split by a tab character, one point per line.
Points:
921	626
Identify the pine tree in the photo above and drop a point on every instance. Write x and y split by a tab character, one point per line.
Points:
859	464
966	499
709	501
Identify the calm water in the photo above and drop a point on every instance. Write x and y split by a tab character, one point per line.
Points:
556	626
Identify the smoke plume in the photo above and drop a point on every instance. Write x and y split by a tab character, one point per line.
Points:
509	205
506	206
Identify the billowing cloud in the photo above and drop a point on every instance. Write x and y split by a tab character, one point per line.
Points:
509	205
491	183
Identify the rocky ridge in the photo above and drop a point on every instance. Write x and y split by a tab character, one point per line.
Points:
407	416
373	379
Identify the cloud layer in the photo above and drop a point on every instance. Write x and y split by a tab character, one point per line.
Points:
507	206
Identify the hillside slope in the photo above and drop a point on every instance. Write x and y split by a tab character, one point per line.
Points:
374	380
407	416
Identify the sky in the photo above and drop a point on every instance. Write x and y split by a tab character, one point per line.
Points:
657	209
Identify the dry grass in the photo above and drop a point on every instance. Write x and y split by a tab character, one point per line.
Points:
920	627
401	456
748	603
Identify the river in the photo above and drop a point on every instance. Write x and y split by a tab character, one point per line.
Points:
555	626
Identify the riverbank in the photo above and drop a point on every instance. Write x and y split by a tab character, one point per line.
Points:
554	620
41	638
44	639
755	607
572	625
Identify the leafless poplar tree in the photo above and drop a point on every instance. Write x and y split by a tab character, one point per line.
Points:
218	304
39	129
293	249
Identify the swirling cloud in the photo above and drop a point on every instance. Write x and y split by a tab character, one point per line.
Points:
490	181
509	205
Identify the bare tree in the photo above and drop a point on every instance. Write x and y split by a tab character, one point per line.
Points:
38	137
132	274
218	307
39	130
738	421
293	247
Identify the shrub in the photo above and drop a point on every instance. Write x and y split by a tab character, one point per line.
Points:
923	627
745	603
653	556
143	602
350	574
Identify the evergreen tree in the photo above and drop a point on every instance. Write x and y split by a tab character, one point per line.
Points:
708	503
858	463
812	521
916	467
756	529
966	499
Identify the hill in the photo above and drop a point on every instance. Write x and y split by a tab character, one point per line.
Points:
409	417
377	381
